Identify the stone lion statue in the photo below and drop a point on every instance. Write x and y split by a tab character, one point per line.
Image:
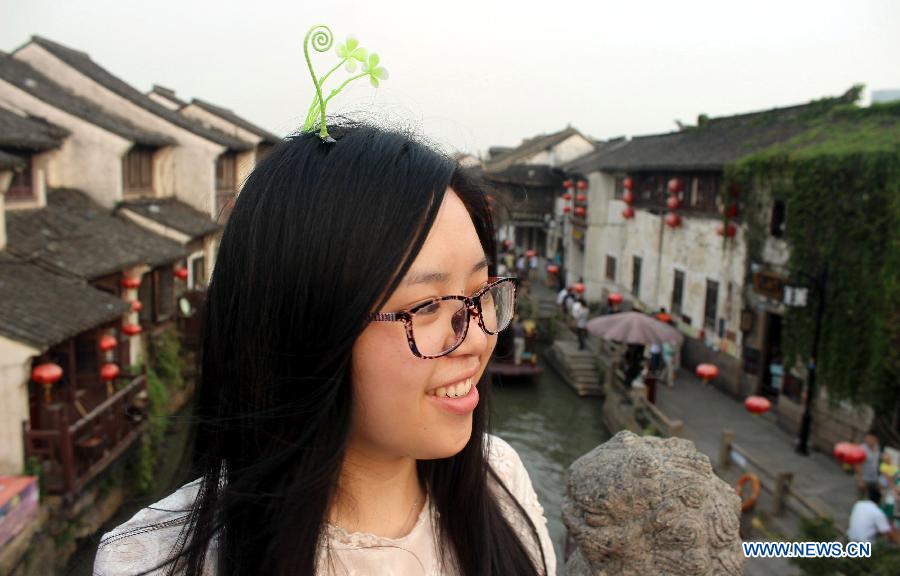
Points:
645	506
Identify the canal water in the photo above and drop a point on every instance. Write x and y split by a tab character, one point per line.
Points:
550	427
545	421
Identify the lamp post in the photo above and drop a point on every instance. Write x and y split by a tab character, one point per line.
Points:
806	422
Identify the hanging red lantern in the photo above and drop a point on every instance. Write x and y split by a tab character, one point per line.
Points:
730	230
628	213
568	184
628	184
181	272
131	282
580	211
628	197
849	453
109	371
566	196
732	211
707	372
47	374
614	298
673	220
581	198
582	185
567	209
552	269
107	343
673	203
132	329
530	253
136	305
757	404
675	186
578	287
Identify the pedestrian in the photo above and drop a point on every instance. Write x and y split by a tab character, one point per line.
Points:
518	330
867	520
533	263
655	362
634	362
670	354
867	471
561	300
581	313
510	260
522	267
321	373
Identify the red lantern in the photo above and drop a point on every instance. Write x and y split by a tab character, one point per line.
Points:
628	197
614	298
675	186
47	375
568	184
579	287
107	343
580	211
849	453
566	196
582	185
132	329
530	253
628	213
729	230
663	317
180	272
109	371
553	269
581	198
131	282
136	305
707	372
567	209
757	404
730	212
673	220
673	203
628	184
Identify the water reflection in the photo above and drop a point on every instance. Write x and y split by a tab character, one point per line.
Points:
550	427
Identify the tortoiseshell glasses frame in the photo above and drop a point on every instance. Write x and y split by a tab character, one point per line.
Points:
472	306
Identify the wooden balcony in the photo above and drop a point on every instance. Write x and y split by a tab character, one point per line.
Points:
72	452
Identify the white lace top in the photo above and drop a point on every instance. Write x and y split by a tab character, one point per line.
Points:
351	554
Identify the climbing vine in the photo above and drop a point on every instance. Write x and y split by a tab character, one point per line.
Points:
840	183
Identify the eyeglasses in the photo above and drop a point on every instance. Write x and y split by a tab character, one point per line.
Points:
437	327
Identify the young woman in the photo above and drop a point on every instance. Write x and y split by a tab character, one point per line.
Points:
343	409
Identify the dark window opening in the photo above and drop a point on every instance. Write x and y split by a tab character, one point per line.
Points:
776	228
678	292
712	302
21	188
636	277
198	272
611	268
226	176
137	171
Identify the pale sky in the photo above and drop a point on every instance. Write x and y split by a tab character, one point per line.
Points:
473	74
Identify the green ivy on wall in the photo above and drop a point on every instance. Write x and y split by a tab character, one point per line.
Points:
840	182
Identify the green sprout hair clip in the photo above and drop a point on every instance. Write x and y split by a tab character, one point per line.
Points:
350	53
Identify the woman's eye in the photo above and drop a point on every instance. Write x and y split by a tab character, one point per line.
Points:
430	309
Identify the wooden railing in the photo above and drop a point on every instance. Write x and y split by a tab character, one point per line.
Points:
71	455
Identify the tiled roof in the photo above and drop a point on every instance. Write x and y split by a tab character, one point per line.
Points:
174	214
28	133
75	235
81	62
40	308
527	175
528	148
10	162
230	116
30	80
168	94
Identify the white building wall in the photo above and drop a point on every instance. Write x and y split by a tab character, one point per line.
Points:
90	157
188	173
15	366
573	147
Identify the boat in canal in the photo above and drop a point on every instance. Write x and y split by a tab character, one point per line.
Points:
502	366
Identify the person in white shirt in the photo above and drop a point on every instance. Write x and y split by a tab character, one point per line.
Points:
867	520
581	313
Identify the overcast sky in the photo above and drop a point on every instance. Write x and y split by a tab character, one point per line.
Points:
472	74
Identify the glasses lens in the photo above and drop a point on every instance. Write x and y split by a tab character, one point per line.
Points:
497	305
439	326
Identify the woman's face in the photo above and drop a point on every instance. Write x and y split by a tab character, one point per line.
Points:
395	410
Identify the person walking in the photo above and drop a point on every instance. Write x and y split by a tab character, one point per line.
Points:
867	520
581	312
867	471
670	353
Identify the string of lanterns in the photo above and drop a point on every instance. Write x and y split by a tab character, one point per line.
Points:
580	198
675	187
729	211
628	198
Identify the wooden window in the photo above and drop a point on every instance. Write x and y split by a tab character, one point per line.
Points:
678	292
611	268
226	175
198	273
636	277
776	226
21	188
712	302
704	193
137	171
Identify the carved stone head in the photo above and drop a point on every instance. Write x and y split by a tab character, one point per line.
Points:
644	505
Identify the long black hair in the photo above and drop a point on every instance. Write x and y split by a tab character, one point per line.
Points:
321	235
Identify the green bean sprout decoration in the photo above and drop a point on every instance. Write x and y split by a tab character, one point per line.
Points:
349	53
